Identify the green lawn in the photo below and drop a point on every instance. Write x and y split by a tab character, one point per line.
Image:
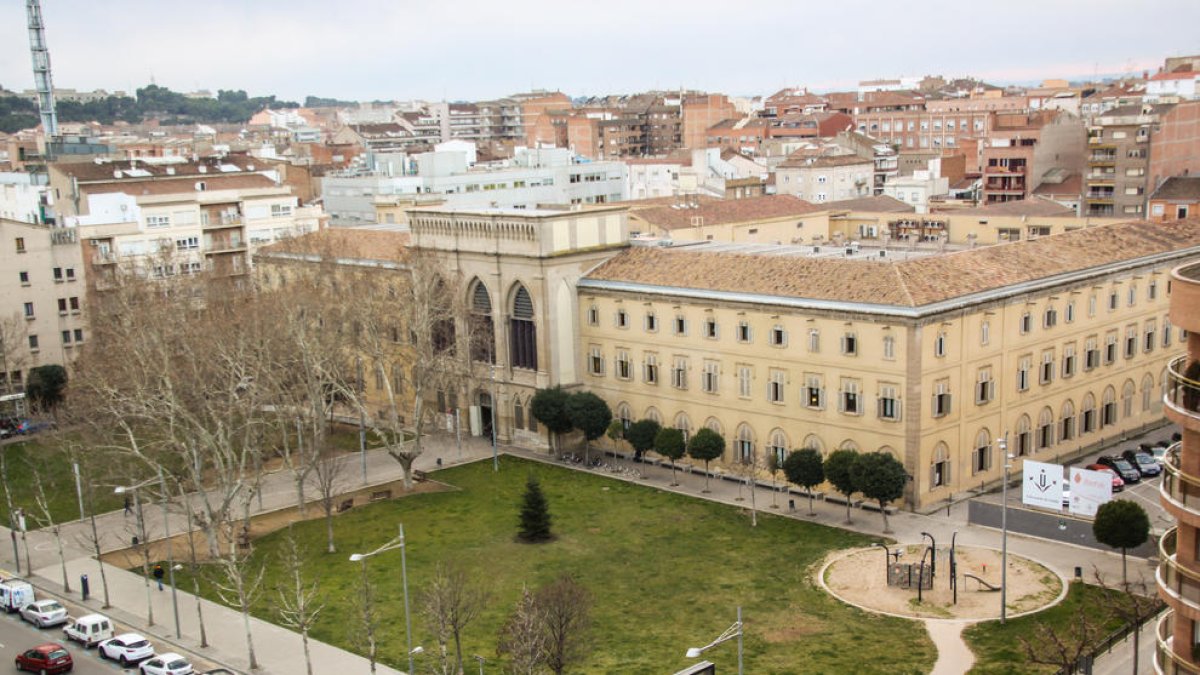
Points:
58	483
667	573
998	650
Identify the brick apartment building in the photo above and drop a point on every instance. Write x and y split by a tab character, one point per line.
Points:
1023	147
1117	161
1175	144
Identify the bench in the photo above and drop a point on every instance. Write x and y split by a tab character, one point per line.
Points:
874	506
837	498
345	505
418	475
380	495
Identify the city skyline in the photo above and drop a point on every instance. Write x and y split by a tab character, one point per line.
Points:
125	44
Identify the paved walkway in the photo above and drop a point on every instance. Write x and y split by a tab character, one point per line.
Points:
954	656
279	650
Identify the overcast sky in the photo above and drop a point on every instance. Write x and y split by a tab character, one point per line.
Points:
478	49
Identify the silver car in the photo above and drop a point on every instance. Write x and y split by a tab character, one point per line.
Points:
126	649
43	613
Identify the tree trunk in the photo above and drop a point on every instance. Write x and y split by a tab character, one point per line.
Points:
1124	570
848	521
329	527
249	636
810	502
753	504
882	507
195	576
458	651
307	656
62	559
673	481
706	475
96	543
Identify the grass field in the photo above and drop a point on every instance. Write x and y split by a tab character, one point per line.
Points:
666	571
58	483
998	650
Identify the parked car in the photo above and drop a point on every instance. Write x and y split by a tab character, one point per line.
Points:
15	426
1118	483
1159	453
15	593
166	664
89	630
44	613
1124	469
1143	461
46	658
126	648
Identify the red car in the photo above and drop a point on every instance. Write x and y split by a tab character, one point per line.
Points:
48	658
1118	483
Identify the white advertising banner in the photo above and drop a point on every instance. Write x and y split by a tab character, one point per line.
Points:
1042	485
1089	489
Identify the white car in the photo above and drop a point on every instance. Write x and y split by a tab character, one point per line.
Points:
126	648
43	613
166	664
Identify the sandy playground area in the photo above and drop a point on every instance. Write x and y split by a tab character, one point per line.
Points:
858	578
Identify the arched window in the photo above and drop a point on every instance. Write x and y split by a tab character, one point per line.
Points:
848	445
1066	421
522	331
625	415
483	334
814	441
744	446
652	415
1088	412
714	425
1108	411
1147	393
518	413
1024	436
981	456
1127	392
684	425
779	446
939	467
1045	434
889	450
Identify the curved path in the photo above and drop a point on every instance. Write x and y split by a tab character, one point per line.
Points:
954	656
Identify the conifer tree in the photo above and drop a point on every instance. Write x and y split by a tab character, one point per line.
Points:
535	514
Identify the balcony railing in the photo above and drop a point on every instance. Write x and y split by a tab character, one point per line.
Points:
1166	661
1178	487
1183	392
1180	583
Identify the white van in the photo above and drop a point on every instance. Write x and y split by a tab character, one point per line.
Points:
14	594
89	630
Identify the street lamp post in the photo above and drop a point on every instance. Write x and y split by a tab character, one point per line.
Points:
734	631
396	543
170	551
480	659
141	524
932	554
495	403
1003	443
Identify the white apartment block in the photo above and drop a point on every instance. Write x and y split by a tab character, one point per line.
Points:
825	179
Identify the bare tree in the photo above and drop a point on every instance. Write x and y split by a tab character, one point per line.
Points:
1134	602
238	583
45	518
1063	645
366	614
452	600
327	474
298	606
14	342
566	614
523	636
193	563
746	469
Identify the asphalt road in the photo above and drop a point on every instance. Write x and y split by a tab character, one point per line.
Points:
17	636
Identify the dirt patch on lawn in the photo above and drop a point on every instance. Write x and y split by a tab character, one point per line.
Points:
858	579
271	521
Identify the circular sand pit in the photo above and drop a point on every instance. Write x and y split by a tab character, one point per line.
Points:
858	578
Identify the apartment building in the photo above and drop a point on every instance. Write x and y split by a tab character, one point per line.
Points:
1178	197
1175	144
1022	148
825	178
42	299
1060	343
1177	634
699	113
1118	160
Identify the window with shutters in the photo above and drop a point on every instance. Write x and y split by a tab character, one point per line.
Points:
1069	313
523	331
710	376
889	347
593	315
483	336
889	402
985	332
684	425
680	325
1050	318
679	372
1152	290
779	446
814	341
1024	436
941	398
778	336
625	414
743	331
1091	354
985	386
1149	339
651	322
1147	393
595	361
1048	367
1166	342
744	445
1023	367
1066	421
1045	436
744	374
622	319
1026	323
1108	410
939	344
650	369
776	383
981	456
814	392
710	328
850	344
939	469
1131	341
1132	295
1092	305
1110	348
850	397
624	369
1068	361
1127	393
1088	411
1114	300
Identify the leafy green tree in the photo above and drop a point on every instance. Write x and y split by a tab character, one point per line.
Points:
535	514
615	432
881	477
46	385
549	406
805	468
641	436
706	445
1122	524
668	442
837	472
588	413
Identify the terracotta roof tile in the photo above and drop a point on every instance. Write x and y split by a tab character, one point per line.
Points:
1179	187
1035	206
723	211
876	204
344	242
910	283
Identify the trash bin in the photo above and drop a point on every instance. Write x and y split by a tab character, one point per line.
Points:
791	504
1078	572
83	585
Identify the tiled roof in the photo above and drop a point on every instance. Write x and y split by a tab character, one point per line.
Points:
1034	206
91	171
876	204
799	161
724	211
178	185
1071	185
1179	187
910	283
1184	75
344	242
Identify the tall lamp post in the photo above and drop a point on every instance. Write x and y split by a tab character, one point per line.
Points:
1003	443
734	631
396	543
141	523
495	403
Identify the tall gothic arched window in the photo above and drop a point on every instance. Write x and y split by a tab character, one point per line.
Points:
522	331
483	333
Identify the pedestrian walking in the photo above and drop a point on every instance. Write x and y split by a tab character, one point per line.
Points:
128	505
158	575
